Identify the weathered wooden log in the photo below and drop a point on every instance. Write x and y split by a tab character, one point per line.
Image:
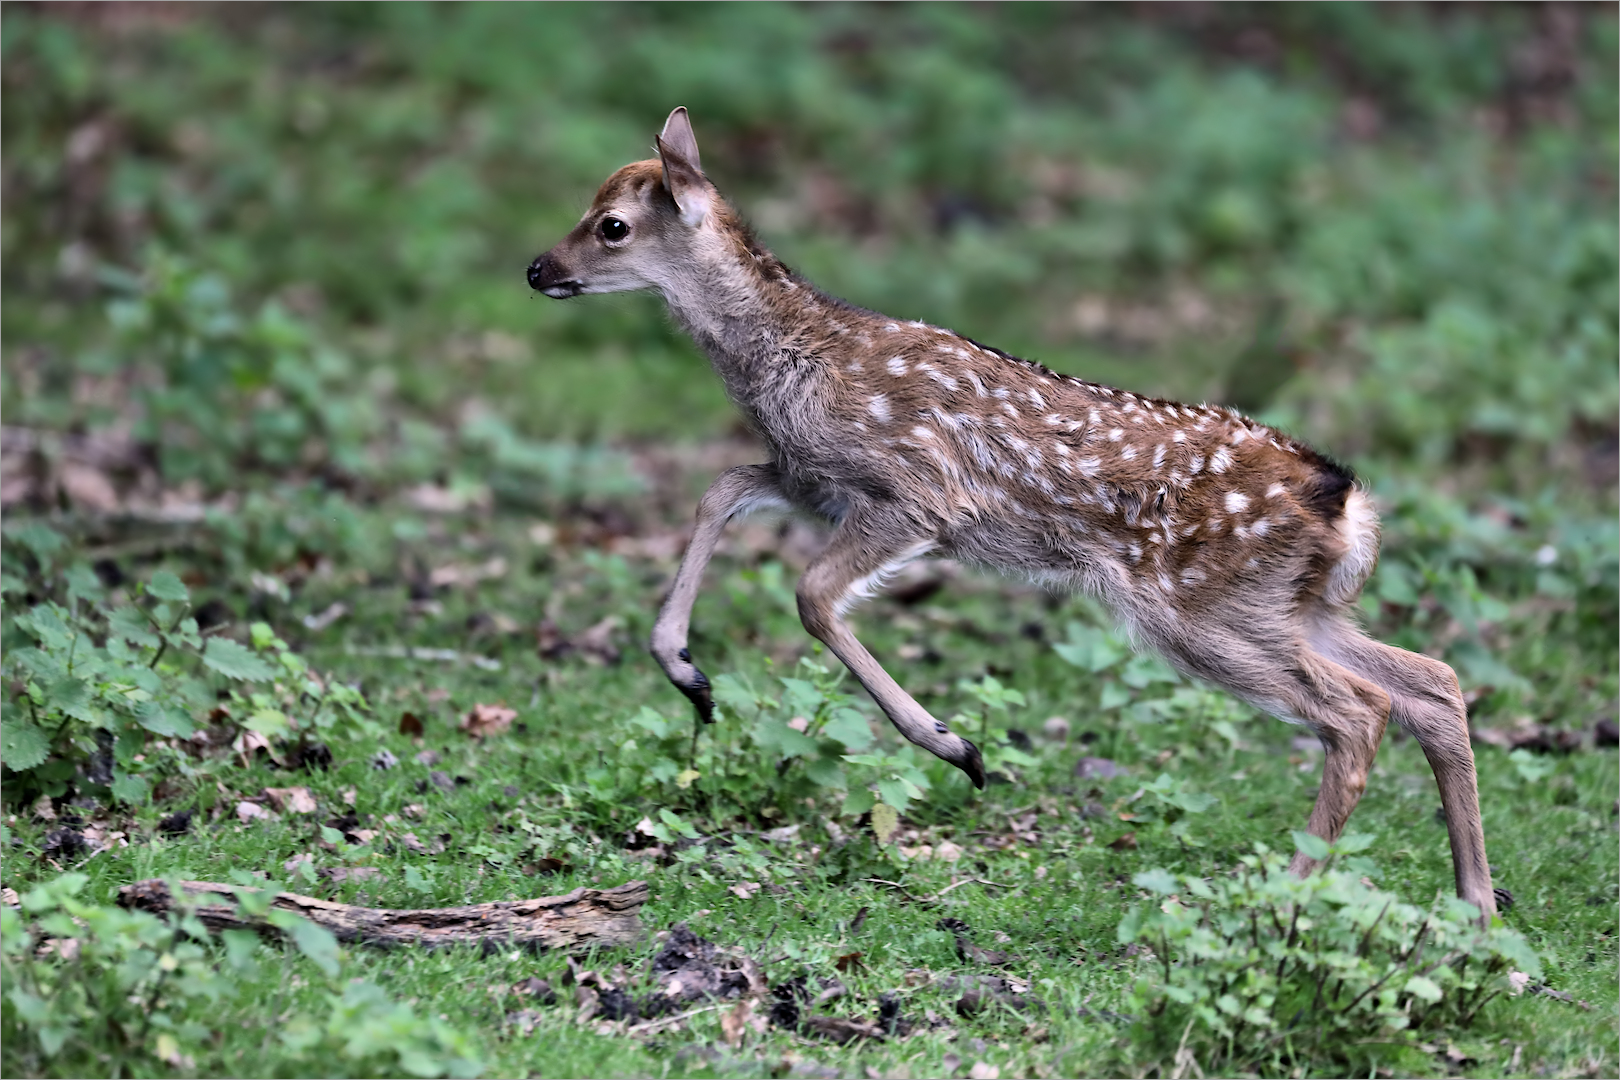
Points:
577	920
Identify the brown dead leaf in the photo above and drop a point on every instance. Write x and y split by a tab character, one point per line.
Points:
733	1022
433	499
849	962
1124	843
745	890
9	897
247	811
842	1030
88	487
291	800
292	864
66	948
250	742
458	574
337	875
983	1070
594	645
486	720
410	725
350	794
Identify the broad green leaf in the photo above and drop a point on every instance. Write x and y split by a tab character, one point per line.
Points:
893	791
130	788
1130	926
1420	987
271	723
1157	880
163	720
315	942
22	745
850	729
165	586
858	802
1313	846
1350	843
236	661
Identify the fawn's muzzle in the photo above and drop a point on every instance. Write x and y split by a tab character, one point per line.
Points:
547	277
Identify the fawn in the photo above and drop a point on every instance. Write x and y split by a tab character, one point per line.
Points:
1232	550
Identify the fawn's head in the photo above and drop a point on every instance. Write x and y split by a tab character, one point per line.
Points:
650	220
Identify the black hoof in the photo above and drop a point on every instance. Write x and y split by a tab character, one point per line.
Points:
972	763
697	692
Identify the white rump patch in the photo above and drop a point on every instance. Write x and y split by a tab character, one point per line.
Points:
1359	530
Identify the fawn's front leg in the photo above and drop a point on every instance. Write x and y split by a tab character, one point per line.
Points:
857	557
735	491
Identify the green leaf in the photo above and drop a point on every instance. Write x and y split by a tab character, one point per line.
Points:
1129	927
271	723
160	719
22	745
165	586
1350	843
850	729
315	942
130	788
1312	846
858	802
1157	880
236	661
893	791
1420	987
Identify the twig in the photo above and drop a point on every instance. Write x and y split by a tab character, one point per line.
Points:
897	885
650	1024
969	881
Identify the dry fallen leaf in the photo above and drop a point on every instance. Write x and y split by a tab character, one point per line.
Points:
410	724
746	889
734	1021
983	1070
246	811
292	864
291	800
9	897
349	795
948	852
1128	841
487	720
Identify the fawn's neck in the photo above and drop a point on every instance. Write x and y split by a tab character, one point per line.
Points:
744	309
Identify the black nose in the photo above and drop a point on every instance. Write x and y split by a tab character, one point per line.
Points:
535	273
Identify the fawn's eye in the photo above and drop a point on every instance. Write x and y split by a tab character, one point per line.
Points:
614	229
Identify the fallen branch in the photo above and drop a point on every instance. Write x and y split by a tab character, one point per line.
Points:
581	918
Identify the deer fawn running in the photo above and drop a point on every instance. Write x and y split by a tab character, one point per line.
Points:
1227	547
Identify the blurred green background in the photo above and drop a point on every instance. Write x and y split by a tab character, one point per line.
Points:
258	256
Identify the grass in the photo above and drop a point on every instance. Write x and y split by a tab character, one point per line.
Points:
1381	235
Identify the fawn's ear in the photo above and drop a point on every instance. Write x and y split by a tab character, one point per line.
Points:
683	173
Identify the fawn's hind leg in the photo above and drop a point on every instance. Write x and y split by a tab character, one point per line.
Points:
1348	713
1426	700
1271	669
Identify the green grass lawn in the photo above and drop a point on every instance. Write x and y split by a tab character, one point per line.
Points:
268	363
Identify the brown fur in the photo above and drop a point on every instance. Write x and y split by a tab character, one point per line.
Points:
1229	548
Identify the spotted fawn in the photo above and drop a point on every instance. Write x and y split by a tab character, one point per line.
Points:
1233	551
